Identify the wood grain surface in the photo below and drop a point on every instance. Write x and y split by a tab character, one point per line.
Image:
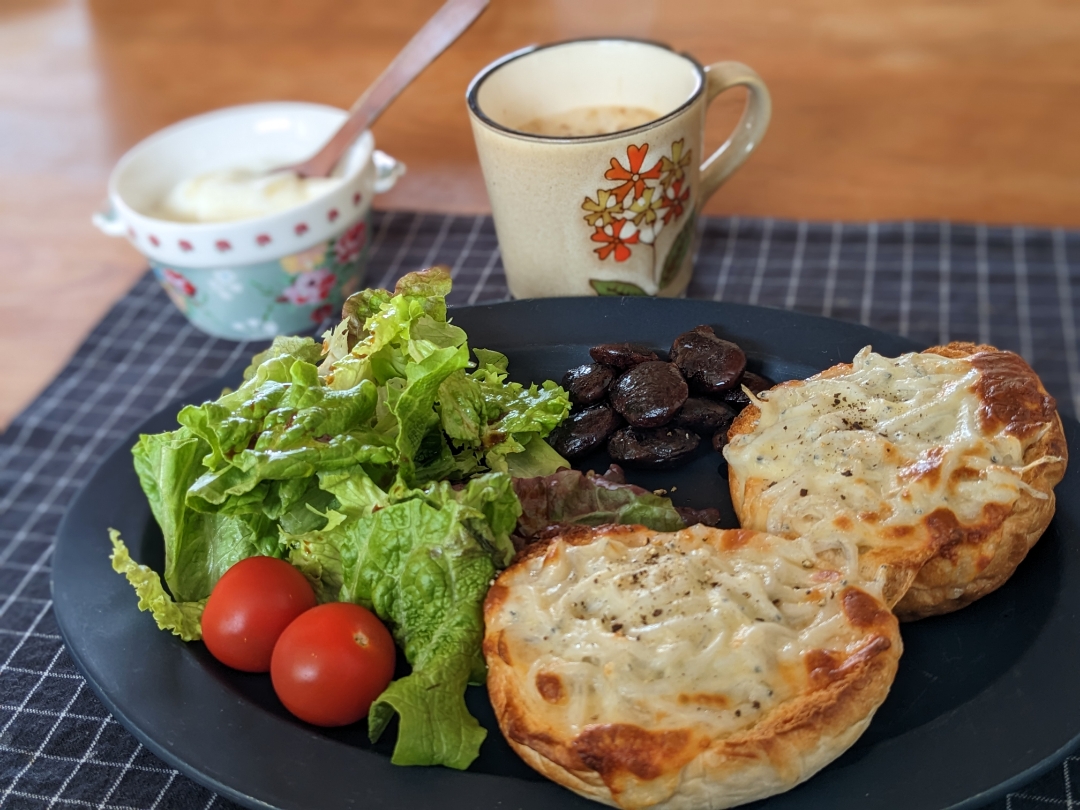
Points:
966	110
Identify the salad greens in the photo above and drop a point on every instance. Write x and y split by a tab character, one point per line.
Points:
182	618
382	464
587	499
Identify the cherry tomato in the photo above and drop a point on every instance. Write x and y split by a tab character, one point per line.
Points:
331	663
252	603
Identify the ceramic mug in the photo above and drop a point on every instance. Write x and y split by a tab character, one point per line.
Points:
604	214
283	273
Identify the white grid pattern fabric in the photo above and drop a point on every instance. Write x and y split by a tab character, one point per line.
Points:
935	282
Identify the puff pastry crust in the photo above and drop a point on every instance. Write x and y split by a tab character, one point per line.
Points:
940	465
697	669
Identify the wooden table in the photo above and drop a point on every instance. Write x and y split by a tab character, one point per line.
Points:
966	110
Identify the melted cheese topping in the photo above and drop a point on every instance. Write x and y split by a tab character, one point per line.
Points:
659	630
880	446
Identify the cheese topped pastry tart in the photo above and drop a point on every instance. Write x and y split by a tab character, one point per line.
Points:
702	668
939	465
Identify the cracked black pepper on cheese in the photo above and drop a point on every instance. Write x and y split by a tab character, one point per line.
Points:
939	465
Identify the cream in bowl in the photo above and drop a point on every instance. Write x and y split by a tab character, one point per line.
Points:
226	195
242	257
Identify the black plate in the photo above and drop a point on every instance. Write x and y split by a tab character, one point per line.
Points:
985	699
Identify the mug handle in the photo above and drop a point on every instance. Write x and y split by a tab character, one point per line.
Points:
748	132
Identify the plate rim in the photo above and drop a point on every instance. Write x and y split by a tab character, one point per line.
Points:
208	780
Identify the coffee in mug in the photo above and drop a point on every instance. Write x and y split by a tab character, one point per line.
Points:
584	121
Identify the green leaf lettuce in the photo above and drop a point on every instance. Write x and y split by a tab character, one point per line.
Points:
180	618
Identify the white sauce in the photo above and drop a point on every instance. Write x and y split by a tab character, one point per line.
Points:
233	194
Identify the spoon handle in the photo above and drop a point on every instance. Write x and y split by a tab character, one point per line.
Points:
445	26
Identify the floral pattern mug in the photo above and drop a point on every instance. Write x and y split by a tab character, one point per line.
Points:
604	213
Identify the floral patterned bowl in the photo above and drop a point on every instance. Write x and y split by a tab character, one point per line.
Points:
283	273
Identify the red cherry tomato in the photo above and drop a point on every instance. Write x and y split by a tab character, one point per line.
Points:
331	663
252	603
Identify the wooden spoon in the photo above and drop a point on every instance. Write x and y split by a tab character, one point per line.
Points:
448	23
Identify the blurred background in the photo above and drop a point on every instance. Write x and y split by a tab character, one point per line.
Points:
966	110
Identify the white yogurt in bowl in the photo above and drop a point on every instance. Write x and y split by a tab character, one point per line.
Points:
227	195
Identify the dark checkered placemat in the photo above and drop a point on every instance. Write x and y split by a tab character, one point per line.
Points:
932	281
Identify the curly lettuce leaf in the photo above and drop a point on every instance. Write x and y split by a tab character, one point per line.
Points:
516	414
308	428
538	458
199	547
180	618
414	407
433	601
287	346
381	333
317	557
461	408
491	423
435	726
433	283
303	510
217	491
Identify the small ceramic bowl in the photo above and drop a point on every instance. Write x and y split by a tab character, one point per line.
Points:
283	273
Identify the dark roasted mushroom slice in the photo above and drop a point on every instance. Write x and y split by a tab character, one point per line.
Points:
589	383
583	432
705	416
622	355
649	394
652	447
709	363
